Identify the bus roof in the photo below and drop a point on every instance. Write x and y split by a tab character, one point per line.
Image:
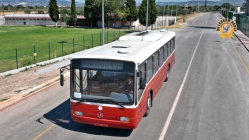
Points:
135	47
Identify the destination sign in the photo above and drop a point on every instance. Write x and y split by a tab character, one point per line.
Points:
101	64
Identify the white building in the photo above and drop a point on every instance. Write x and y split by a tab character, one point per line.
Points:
1	20
160	21
30	19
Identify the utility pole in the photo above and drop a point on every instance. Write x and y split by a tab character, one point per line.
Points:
163	14
168	9
147	16
192	6
171	9
103	24
205	3
176	11
198	7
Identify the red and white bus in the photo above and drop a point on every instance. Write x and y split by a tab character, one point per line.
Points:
98	79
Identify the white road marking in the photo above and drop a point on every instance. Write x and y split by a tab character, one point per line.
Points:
166	125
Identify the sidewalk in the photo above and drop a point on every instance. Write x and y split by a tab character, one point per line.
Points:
243	38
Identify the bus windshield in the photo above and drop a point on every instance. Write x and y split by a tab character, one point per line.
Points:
99	80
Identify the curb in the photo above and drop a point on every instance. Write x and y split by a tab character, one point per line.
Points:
3	107
36	91
47	62
246	46
242	42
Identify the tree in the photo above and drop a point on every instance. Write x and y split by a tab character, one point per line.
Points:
247	8
152	12
40	12
89	10
53	11
19	7
116	10
226	6
27	11
97	12
142	13
130	10
65	16
216	7
73	12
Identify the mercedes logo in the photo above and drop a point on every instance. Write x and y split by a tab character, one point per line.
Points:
100	115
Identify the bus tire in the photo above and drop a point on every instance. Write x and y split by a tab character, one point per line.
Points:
149	101
167	77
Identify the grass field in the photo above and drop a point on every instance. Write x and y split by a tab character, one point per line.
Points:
19	43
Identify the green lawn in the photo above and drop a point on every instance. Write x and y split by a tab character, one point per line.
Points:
21	42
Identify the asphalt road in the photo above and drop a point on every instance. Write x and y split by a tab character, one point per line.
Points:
208	86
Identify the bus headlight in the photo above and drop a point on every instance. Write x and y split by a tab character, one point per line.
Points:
125	119
78	113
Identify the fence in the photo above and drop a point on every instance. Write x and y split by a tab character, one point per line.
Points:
242	21
227	14
33	54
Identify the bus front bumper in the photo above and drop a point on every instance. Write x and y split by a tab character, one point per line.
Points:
104	122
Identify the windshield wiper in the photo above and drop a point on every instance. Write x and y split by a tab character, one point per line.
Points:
81	100
107	101
112	101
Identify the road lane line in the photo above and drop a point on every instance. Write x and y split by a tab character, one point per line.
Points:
50	127
42	133
240	57
166	125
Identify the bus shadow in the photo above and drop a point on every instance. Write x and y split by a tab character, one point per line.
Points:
61	117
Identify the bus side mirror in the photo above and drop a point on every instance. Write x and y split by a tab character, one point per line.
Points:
62	80
139	74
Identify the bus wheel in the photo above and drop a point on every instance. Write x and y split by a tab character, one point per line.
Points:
167	77
148	106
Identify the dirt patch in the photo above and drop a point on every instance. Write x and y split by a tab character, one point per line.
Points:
24	83
180	22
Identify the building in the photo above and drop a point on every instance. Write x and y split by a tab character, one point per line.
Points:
45	20
30	19
1	20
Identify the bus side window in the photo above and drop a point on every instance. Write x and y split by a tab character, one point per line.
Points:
149	69
141	69
165	52
161	57
168	46
155	61
174	44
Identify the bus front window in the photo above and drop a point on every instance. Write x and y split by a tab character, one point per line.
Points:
97	85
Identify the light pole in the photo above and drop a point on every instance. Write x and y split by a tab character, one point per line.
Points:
172	9
176	11
192	6
147	16
168	9
103	24
163	15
